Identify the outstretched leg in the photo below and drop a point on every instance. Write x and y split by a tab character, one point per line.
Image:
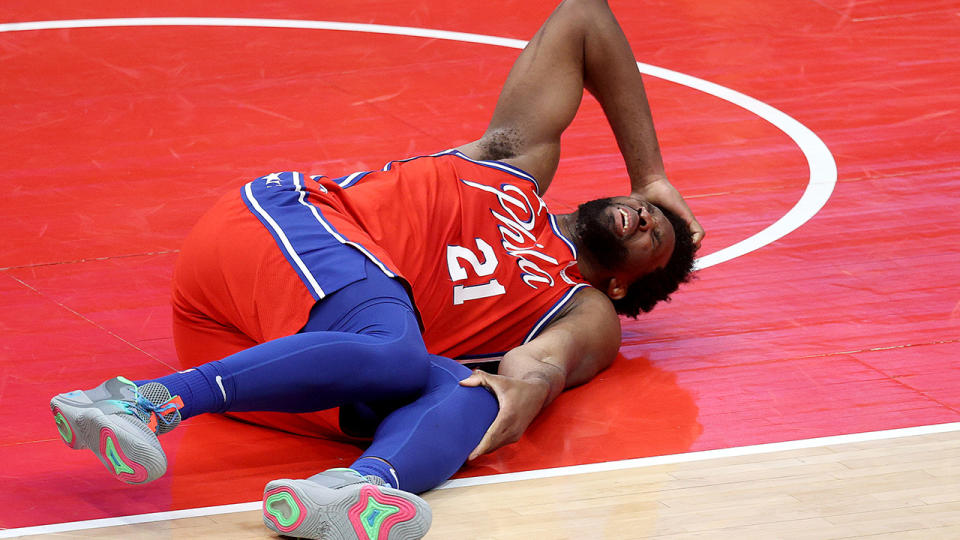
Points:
415	448
362	343
421	445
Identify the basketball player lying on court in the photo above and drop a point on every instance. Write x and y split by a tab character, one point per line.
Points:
303	293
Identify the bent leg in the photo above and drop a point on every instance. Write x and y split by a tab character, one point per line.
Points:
427	441
361	343
313	371
199	339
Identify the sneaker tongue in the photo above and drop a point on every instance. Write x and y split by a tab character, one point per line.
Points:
376	480
335	478
166	413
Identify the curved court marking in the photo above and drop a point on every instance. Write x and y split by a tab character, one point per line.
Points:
823	168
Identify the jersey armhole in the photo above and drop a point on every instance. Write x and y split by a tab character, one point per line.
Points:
554	311
501	166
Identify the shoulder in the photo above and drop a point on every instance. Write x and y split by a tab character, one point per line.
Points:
590	324
592	307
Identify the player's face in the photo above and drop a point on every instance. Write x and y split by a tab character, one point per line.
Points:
627	237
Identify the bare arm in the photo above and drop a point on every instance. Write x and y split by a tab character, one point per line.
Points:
581	46
570	352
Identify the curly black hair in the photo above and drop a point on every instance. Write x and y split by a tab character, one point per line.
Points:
647	291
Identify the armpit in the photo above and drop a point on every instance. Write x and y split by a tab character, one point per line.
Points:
501	144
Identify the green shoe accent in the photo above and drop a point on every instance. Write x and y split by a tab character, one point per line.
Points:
374	515
66	433
110	452
278	514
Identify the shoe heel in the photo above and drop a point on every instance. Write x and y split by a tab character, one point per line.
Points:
282	509
67	434
377	512
117	461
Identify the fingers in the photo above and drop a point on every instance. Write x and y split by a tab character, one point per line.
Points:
487	443
475	379
698	232
482	447
493	438
696	229
480	378
498	434
686	214
519	403
663	194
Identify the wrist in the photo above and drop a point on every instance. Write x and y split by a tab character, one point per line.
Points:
647	179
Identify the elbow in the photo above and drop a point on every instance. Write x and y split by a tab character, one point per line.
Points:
586	9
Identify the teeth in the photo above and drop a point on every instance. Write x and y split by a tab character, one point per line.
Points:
624	218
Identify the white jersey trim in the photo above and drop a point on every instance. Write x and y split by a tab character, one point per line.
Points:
567	241
391	162
316	214
545	319
505	167
287	246
349	180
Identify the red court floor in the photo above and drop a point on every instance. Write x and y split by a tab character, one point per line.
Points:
115	139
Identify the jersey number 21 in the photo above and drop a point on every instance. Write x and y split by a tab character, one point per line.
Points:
458	254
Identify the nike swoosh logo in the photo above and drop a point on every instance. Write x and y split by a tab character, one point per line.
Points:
395	479
222	391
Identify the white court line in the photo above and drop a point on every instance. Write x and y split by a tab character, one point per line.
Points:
518	476
823	177
704	455
823	168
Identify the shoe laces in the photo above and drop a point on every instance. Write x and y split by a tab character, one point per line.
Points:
144	407
160	411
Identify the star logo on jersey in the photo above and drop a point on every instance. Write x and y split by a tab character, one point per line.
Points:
272	179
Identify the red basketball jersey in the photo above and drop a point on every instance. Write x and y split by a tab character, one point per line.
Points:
486	261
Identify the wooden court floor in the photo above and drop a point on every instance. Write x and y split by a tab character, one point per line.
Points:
905	487
807	385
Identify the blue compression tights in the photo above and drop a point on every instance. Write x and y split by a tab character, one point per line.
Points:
361	349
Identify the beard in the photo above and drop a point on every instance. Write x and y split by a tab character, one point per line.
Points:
596	238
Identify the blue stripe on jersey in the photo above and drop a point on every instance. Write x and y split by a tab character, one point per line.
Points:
549	315
351	179
390	163
315	212
499	165
277	231
480	357
280	203
556	230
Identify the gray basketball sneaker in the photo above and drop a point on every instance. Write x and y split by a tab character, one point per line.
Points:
342	504
120	422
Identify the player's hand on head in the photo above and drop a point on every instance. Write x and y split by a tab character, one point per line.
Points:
662	193
520	401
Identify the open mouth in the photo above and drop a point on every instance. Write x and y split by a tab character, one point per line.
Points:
625	221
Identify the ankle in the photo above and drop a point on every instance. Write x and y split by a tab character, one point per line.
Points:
381	468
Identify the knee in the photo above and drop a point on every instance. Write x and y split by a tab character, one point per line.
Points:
414	369
406	359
